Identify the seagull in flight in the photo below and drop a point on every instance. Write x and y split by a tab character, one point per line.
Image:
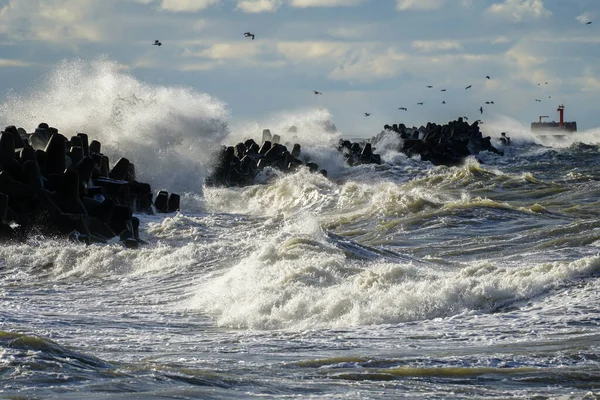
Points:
429	86
315	92
420	104
588	23
248	34
403	108
443	90
469	87
367	114
157	43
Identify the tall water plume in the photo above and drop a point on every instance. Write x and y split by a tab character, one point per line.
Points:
167	131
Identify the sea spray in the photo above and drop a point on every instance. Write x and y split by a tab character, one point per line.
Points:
312	128
309	127
168	132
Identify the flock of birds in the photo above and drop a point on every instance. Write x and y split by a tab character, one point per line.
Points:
367	114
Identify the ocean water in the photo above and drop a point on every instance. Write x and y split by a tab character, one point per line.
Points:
400	280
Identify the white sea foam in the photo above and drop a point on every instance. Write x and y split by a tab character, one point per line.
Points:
298	279
311	194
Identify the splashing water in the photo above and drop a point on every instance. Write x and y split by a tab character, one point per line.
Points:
168	132
311	127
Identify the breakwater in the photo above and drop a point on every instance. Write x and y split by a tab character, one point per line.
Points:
55	186
239	165
448	144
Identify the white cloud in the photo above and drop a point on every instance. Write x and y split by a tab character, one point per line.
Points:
52	20
436	45
526	65
5	62
222	51
187	5
585	17
520	10
199	25
366	66
324	3
349	32
523	57
500	40
589	81
298	51
199	66
258	6
421	5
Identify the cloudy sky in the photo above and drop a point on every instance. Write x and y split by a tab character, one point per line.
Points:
363	55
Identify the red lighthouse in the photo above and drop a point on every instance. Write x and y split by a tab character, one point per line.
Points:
561	117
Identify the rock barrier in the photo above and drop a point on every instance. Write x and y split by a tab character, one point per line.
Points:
55	186
239	165
447	144
357	154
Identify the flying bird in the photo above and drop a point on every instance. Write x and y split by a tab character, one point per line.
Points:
248	34
403	108
315	92
481	110
538	100
469	87
479	121
443	90
465	118
157	43
420	104
429	86
487	77
588	23
443	102
367	114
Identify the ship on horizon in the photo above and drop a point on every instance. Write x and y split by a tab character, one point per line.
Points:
555	129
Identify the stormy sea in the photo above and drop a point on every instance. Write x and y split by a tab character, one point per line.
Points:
399	280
